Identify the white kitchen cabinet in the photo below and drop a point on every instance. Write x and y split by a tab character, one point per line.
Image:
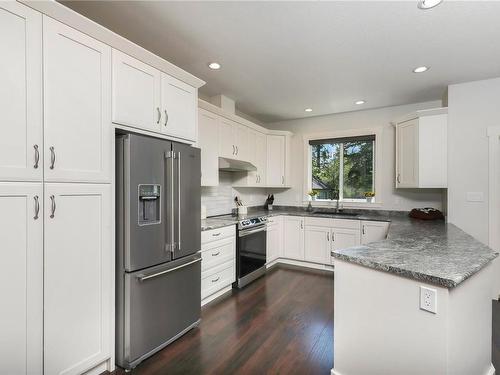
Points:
179	106
275	173
77	105
21	279
208	142
261	158
274	238
293	237
77	278
20	93
257	152
372	231
241	142
227	134
317	244
136	93
421	149
343	238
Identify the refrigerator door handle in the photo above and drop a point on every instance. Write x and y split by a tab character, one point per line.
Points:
143	277
179	200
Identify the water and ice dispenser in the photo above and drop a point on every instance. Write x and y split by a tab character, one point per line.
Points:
149	204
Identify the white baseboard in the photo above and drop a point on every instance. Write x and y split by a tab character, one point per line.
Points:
216	295
301	263
99	369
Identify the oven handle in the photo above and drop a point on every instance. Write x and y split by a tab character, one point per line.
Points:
243	233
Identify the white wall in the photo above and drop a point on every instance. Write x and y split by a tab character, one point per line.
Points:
392	199
472	108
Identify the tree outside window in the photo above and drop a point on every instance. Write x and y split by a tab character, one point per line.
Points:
343	168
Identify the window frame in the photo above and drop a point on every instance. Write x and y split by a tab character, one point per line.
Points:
377	165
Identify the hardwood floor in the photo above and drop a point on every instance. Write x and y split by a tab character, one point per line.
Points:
281	323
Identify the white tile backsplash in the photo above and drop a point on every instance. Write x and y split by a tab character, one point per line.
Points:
219	200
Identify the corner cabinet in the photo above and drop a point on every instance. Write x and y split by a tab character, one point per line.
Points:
293	237
421	149
145	98
77	278
77	105
21	145
372	231
274	238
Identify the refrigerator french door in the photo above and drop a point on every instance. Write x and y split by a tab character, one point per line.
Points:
158	237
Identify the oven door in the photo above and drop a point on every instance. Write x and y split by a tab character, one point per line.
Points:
251	250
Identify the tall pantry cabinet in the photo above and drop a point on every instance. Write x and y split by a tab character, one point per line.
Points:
55	198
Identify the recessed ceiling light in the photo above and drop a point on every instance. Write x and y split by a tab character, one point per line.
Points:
428	4
308	110
421	69
214	65
359	102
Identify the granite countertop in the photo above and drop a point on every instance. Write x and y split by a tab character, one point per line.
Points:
434	252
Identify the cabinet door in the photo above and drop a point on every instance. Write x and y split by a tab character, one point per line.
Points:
20	92
372	231
275	160
251	146
261	158
343	239
407	154
317	244
293	238
179	105
241	142
136	93
77	108
227	148
208	140
273	242
78	277
21	279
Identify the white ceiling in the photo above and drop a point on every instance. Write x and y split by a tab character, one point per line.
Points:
279	58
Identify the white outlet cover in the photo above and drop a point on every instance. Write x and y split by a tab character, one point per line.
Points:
428	299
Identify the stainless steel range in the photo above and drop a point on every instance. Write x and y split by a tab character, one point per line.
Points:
251	250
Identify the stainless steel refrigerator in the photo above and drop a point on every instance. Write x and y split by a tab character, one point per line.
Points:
158	237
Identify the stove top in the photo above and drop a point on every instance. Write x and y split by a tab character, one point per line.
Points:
246	223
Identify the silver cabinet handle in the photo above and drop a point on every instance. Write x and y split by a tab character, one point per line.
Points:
37	156
215	254
215	234
234	150
363	229
52	206
328	236
179	199
159	115
37	207
52	157
301	224
144	277
282	180
215	280
398	179
333	237
166	117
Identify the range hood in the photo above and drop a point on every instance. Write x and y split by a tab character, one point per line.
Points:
232	165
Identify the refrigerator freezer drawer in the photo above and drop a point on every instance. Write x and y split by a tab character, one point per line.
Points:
159	304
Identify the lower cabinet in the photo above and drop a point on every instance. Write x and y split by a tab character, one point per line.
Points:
293	237
372	231
274	239
21	279
317	244
77	277
342	238
218	261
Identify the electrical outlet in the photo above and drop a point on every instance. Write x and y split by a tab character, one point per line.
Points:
428	299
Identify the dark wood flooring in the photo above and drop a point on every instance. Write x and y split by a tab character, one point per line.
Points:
280	324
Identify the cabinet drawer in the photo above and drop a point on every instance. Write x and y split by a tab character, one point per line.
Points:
319	222
274	220
217	234
217	278
346	224
217	252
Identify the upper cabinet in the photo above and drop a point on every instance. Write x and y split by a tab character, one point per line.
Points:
77	107
21	146
421	149
136	93
148	99
179	104
233	140
208	142
275	174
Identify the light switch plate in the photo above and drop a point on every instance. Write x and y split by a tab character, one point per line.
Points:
428	299
475	196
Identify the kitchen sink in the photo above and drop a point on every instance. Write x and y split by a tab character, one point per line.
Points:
339	213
